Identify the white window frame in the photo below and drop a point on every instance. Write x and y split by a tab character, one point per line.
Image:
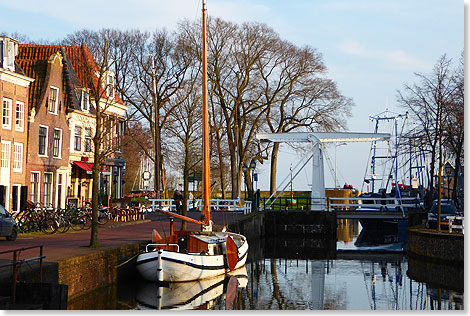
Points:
75	138
53	106
5	154
87	140
46	141
110	85
62	185
48	203
84	100
59	156
18	157
38	186
19	117
6	110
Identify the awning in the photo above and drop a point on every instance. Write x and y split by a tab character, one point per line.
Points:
87	166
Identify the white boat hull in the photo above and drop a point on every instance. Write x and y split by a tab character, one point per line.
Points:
182	267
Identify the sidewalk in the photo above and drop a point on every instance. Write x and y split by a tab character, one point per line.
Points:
71	244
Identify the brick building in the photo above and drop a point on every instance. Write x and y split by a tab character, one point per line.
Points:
14	87
66	178
48	165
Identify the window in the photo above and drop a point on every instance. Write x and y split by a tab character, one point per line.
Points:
6	114
84	100
78	138
87	147
42	140
57	146
47	189
6	146
59	190
18	157
53	100
110	85
19	117
34	194
119	133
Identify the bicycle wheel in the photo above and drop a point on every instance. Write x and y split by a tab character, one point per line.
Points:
102	217
76	223
50	225
86	221
64	224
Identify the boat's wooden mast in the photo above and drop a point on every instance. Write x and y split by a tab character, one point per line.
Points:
205	124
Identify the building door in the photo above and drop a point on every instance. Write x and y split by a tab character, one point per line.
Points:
2	195
5	172
15	197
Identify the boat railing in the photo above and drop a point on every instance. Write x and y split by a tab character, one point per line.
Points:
453	226
155	246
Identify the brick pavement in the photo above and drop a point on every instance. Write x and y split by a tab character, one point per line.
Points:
62	246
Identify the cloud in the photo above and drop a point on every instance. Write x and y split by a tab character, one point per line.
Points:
401	58
352	47
394	57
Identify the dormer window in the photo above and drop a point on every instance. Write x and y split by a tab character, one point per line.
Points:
8	52
84	100
53	100
110	85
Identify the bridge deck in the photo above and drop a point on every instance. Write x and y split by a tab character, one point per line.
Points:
371	215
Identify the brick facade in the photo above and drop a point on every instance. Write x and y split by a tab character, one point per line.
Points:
14	104
48	167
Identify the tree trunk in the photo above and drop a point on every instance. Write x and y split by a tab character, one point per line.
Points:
273	176
96	183
233	172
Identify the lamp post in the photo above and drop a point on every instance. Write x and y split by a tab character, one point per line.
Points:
245	168
448	171
291	195
252	167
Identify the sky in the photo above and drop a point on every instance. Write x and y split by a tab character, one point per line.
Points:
371	48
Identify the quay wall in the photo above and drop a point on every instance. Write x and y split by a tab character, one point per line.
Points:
85	273
436	246
300	223
251	225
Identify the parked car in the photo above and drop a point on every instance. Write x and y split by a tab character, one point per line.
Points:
447	209
8	226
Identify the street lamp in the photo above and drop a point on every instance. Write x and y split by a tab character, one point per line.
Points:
245	168
253	167
448	171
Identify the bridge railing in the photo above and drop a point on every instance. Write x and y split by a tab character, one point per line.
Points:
195	204
339	203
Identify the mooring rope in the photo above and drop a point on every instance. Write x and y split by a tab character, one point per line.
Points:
123	263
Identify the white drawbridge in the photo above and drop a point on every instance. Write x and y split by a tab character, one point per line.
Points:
316	139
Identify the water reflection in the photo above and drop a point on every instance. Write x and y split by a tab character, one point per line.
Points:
309	274
191	295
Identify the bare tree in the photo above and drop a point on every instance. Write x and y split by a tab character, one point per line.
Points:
299	95
106	123
184	128
428	102
454	126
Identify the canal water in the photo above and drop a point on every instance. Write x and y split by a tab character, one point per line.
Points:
364	271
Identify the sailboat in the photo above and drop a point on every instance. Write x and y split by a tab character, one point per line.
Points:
194	255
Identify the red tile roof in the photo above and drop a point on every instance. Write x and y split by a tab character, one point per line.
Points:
33	60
